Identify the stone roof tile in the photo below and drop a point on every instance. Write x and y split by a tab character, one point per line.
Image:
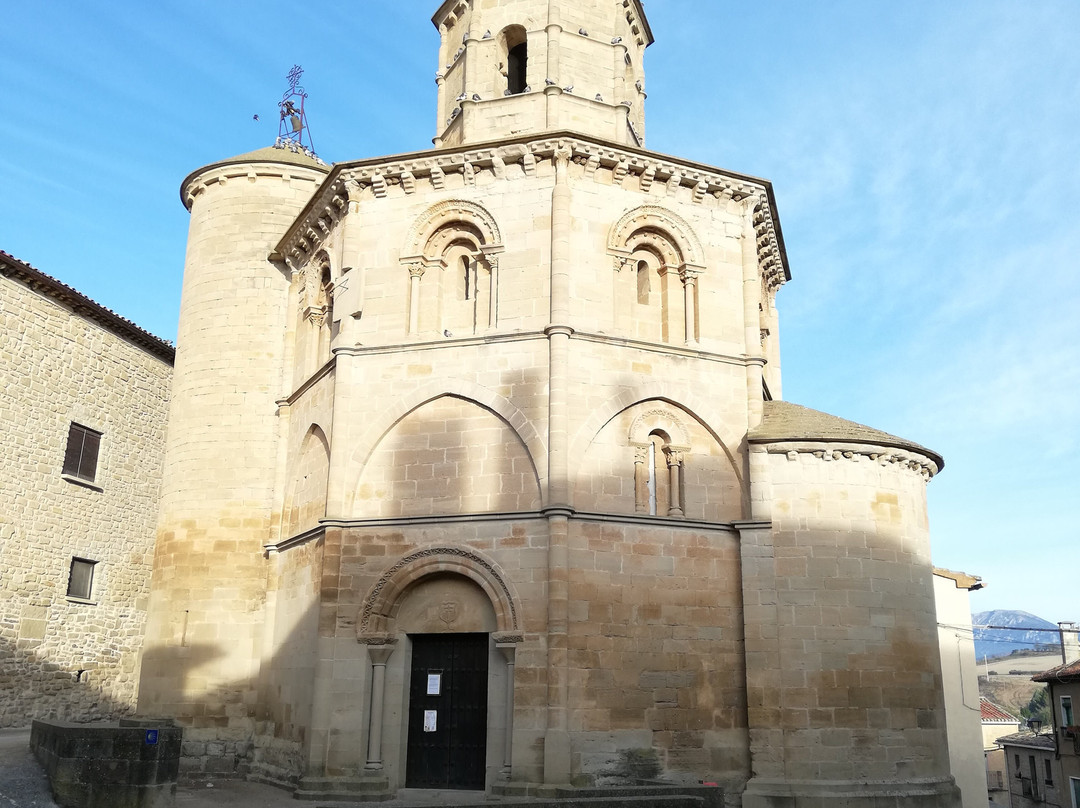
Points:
1027	739
784	421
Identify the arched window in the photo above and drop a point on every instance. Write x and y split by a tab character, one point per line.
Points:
452	253
326	301
658	478
648	300
315	337
516	48
643	284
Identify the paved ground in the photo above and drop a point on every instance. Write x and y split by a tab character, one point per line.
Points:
24	785
22	782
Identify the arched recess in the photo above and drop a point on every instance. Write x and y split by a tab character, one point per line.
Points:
316	329
672	235
451	253
471	215
305	498
655	455
448	456
384	420
514	59
657	259
380	604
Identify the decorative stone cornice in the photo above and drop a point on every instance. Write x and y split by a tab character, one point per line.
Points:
883	456
591	159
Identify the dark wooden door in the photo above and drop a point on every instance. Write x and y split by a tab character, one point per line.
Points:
448	711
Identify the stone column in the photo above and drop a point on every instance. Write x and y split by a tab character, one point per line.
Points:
752	320
641	479
508	649
379	654
556	739
551	94
674	462
416	272
441	110
690	277
493	293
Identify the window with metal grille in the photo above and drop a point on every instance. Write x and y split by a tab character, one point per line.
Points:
81	456
81	578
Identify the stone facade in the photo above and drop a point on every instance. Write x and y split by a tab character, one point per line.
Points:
1063	684
512	401
66	360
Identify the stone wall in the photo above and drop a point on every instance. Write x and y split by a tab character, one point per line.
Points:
130	765
63	657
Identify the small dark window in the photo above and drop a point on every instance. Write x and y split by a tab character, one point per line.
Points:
518	59
643	286
81	457
1049	772
81	579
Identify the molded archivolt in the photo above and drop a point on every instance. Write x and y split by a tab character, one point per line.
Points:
660	231
460	216
305	497
609	478
382	600
447	455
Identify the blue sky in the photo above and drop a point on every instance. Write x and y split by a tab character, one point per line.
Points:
925	156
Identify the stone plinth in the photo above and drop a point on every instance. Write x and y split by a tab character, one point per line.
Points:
130	765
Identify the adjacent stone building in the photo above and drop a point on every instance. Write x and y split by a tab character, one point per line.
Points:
1063	684
478	475
82	411
960	684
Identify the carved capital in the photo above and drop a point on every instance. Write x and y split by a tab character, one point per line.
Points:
376	639
674	458
416	270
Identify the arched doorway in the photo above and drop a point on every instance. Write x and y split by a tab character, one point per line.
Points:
448	622
446	721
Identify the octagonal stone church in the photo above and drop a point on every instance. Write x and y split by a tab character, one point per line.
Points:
478	474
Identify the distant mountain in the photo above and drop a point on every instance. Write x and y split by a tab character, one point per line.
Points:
1013	634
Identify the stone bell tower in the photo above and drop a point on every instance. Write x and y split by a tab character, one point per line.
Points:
520	67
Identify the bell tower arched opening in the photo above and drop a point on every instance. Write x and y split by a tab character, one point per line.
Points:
515	48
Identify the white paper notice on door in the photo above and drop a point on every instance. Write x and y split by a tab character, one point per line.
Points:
434	684
431	720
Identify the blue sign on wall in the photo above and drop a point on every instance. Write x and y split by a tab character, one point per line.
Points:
151	736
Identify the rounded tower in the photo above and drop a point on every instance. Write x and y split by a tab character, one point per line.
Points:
200	658
844	687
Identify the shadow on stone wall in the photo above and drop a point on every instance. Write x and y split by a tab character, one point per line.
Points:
34	687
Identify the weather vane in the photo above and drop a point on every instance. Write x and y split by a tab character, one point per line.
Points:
293	131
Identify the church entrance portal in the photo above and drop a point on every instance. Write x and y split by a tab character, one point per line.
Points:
448	691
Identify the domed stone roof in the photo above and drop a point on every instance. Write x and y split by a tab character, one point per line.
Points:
281	154
784	421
